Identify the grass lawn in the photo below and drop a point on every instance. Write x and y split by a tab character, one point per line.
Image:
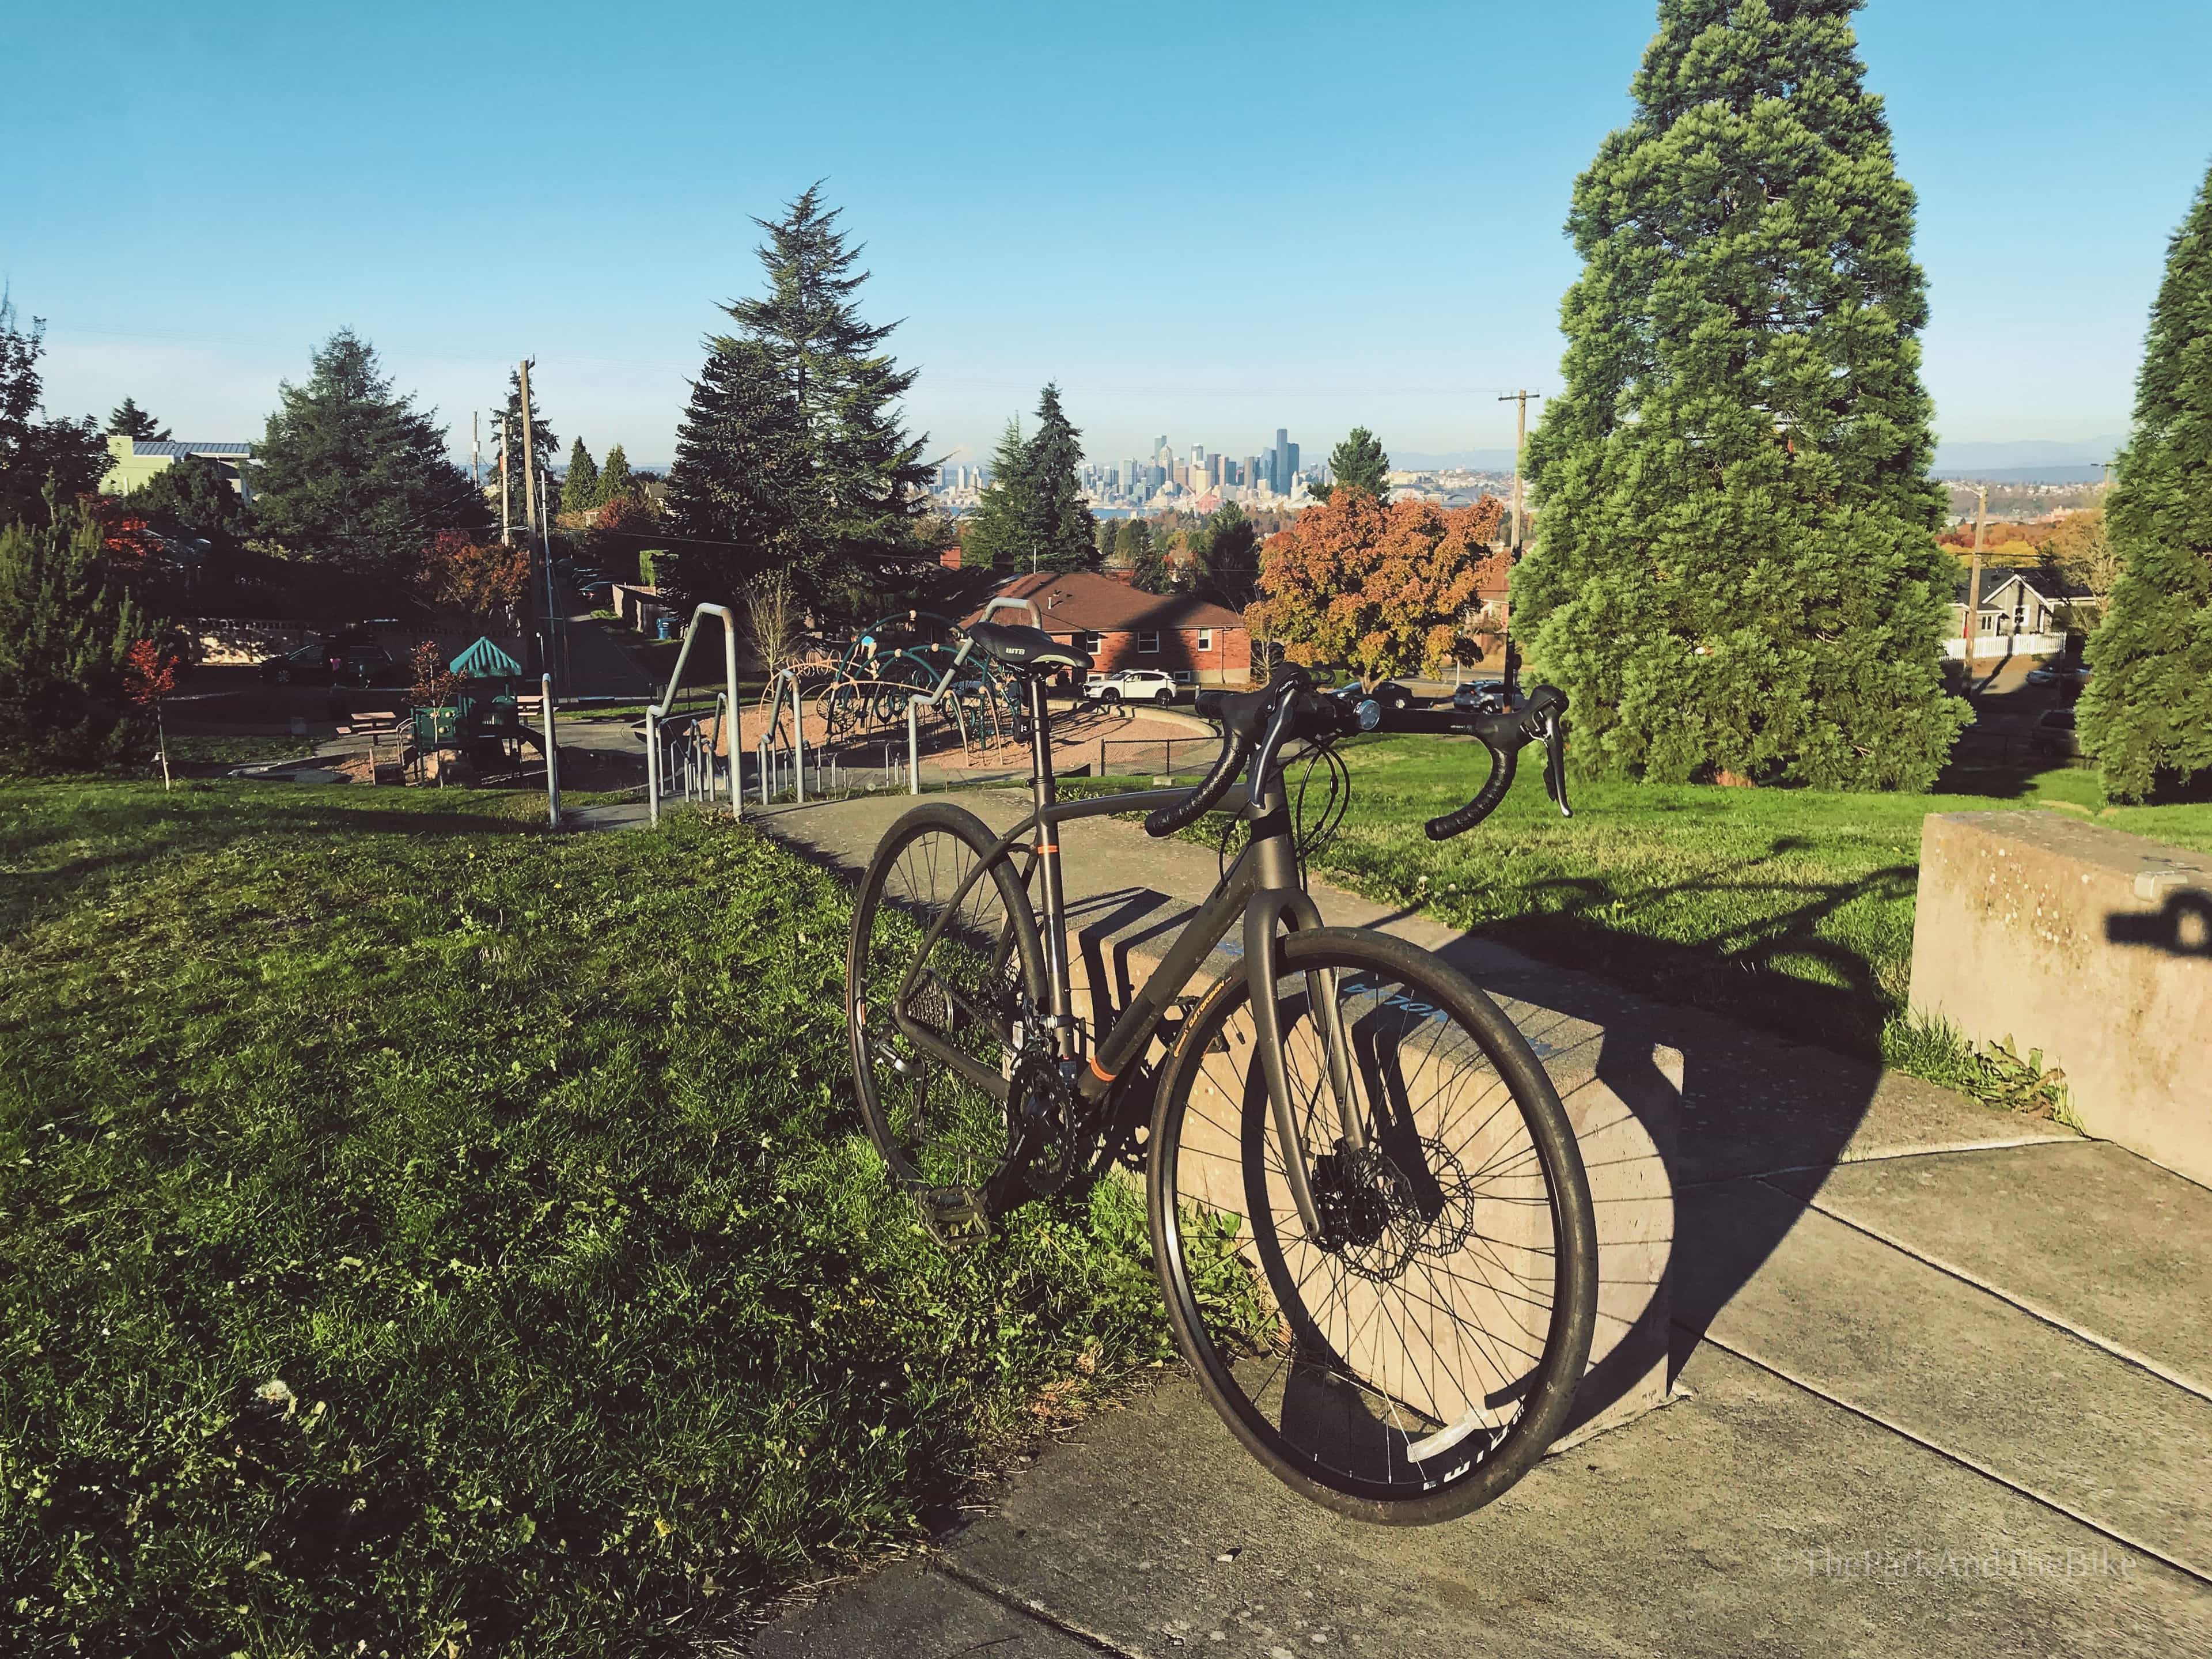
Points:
1789	908
422	1230
215	748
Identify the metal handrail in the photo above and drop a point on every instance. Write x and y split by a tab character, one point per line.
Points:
657	712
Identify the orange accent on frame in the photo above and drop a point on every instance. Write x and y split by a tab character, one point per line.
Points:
1100	1071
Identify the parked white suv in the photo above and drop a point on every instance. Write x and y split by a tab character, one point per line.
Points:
1130	685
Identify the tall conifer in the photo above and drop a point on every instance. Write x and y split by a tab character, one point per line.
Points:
2147	714
855	493
1735	568
737	489
614	483
580	485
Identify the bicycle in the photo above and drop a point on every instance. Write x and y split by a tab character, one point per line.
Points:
1369	1216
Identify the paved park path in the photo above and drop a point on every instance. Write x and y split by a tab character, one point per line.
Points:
1943	1387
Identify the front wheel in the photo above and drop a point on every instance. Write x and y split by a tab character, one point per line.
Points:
944	980
1413	1358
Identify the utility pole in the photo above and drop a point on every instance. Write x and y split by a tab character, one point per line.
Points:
554	619
506	513
1520	449
529	455
530	500
1974	581
475	451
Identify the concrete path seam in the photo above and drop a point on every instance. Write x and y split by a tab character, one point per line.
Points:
2026	1305
1943	1149
1964	1461
1037	1612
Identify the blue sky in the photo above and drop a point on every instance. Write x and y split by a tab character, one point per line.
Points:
1205	220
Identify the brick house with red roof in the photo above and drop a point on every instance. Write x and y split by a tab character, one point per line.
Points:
1198	642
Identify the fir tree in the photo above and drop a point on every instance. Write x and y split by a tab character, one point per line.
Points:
996	534
1357	463
1735	568
855	493
737	489
354	474
616	483
66	456
66	626
127	420
2146	713
580	485
1061	531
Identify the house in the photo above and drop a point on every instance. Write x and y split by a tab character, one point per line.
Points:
2019	617
1198	642
134	461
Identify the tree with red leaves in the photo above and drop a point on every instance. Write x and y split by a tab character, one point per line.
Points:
481	580
149	674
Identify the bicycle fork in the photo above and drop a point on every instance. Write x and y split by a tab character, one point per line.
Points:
1278	900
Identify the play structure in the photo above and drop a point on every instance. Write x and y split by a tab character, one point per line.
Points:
483	722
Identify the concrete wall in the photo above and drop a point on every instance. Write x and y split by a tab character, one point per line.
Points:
2092	946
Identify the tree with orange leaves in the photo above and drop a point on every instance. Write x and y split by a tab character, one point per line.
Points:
482	581
1388	590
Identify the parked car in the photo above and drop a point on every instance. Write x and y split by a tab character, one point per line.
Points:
2055	734
1131	685
334	663
1481	697
2073	674
1386	693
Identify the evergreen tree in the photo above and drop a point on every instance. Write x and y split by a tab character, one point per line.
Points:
2147	714
737	489
127	420
1133	540
855	491
580	485
1357	463
193	498
996	534
69	456
1229	570
1735	568
543	445
65	627
1061	529
615	483
353	474
1106	542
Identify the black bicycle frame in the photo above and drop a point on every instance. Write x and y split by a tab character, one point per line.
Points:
1263	887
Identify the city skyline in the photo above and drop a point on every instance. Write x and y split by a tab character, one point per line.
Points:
1413	273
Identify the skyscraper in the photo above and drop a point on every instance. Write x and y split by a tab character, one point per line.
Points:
1290	468
1278	472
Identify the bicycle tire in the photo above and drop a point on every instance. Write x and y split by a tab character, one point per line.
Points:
1339	1401
943	1139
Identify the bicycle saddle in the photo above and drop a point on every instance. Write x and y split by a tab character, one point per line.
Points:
1026	650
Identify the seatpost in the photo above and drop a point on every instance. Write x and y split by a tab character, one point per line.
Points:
1042	793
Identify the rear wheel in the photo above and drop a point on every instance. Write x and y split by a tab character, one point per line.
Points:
1413	1357
938	958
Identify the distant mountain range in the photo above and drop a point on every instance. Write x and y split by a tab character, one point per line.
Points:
1474	460
2032	461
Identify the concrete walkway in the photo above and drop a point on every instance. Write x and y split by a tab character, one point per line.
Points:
1944	1385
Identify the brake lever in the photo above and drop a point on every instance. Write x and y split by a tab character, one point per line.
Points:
1555	764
